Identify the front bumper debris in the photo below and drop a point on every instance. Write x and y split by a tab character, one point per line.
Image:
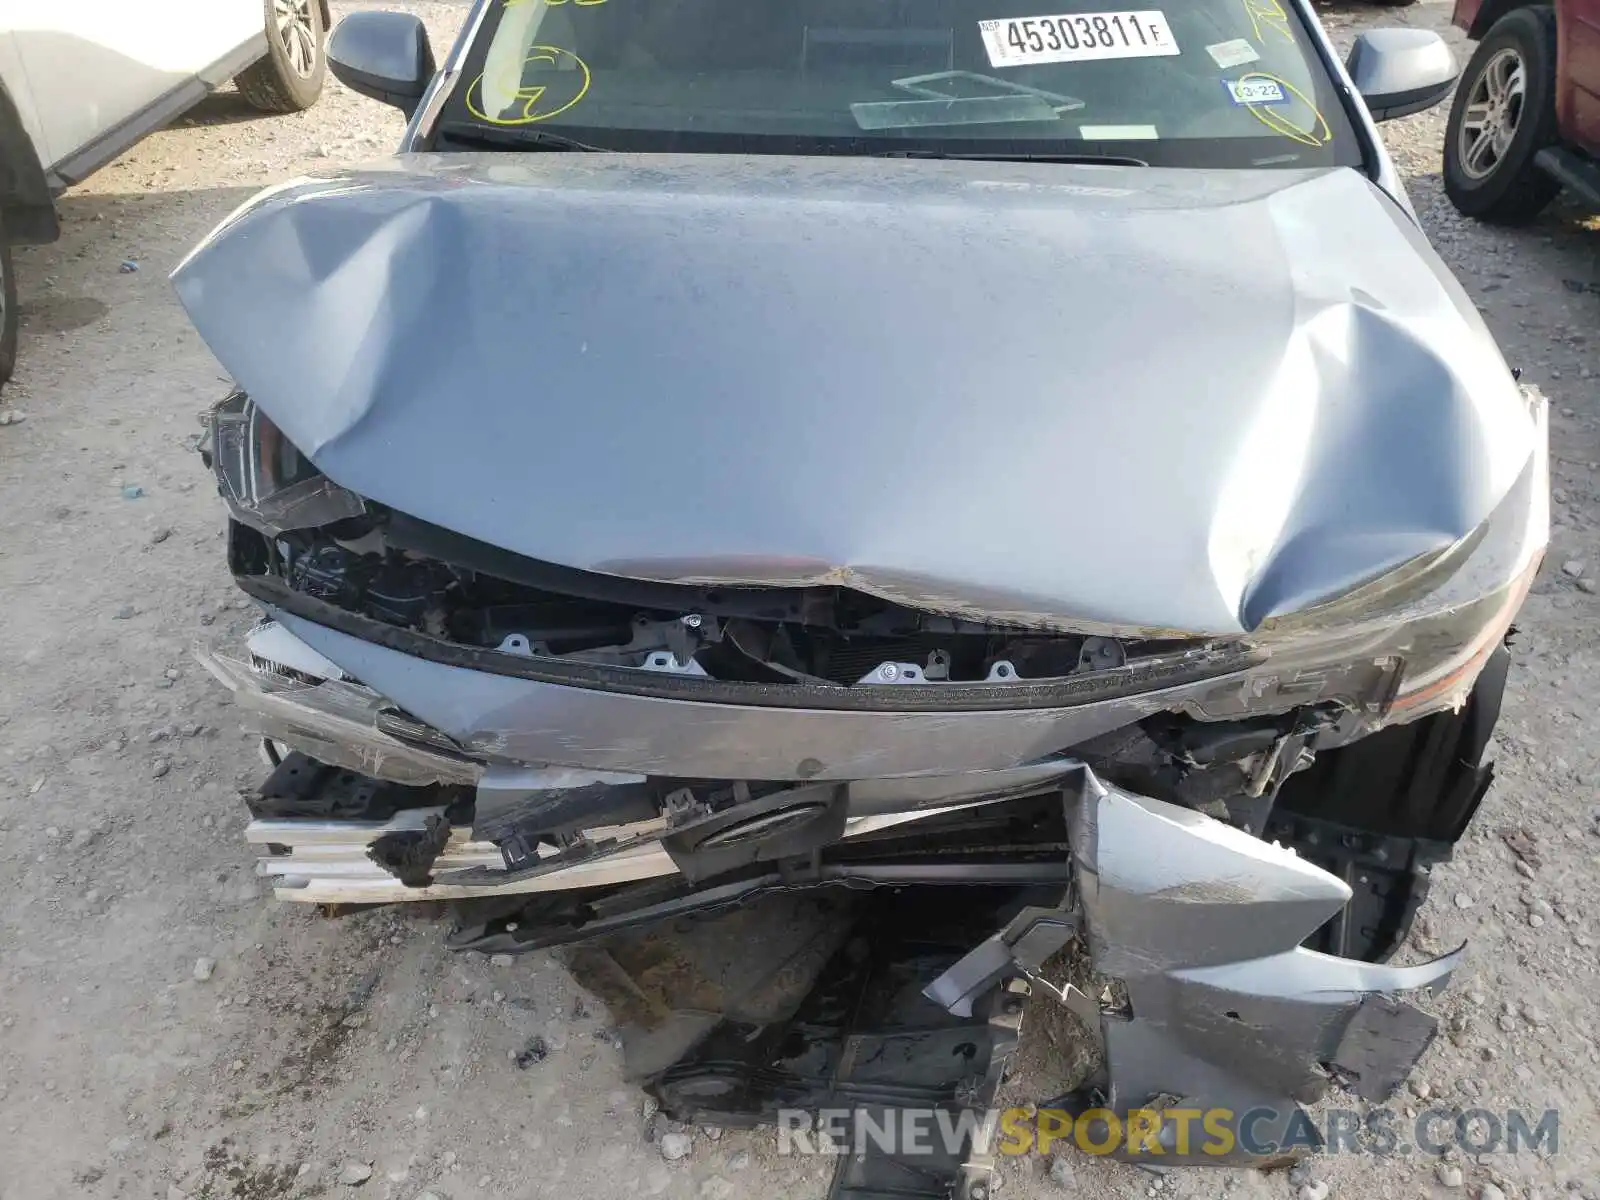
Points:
1201	925
336	721
1053	734
1191	973
857	1038
322	860
1208	1004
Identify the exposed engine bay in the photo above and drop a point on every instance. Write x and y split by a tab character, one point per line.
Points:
369	801
1290	778
820	636
607	714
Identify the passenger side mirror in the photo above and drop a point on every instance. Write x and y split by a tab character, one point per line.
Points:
1401	71
385	55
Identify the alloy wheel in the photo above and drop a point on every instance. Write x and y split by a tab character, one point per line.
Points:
297	34
1493	114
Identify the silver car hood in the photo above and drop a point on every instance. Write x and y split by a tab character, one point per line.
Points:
1095	397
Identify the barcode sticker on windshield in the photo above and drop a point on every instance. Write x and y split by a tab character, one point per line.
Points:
1074	37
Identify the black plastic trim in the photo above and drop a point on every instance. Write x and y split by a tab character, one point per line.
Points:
1388	879
1576	171
1404	104
1132	680
518	934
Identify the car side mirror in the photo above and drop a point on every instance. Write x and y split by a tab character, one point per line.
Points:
1401	71
385	55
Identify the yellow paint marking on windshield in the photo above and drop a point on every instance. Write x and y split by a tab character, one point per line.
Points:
565	81
1268	14
1319	134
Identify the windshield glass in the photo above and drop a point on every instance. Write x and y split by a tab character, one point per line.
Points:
1197	83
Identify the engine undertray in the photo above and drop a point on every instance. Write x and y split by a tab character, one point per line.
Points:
721	1032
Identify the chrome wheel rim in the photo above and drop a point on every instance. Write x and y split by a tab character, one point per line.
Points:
1493	114
297	34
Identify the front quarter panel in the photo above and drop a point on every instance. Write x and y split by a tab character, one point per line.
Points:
1380	168
25	194
15	90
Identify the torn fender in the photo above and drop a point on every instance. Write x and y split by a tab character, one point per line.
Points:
1202	995
1202	924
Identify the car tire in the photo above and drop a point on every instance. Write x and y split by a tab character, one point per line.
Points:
1489	172
9	315
290	78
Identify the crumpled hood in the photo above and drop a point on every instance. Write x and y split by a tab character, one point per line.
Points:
1127	398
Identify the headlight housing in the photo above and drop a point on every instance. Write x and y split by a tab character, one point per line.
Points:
1427	629
267	482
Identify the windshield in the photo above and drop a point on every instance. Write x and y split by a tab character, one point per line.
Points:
1197	83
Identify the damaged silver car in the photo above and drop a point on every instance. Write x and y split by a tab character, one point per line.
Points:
868	509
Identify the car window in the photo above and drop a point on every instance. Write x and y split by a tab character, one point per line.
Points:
1199	83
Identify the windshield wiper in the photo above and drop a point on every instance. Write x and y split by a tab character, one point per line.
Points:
516	138
539	139
1104	160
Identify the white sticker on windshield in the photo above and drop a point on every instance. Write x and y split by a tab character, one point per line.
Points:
1233	54
1255	89
1118	133
1075	37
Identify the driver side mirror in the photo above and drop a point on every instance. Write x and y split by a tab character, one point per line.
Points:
1401	71
385	55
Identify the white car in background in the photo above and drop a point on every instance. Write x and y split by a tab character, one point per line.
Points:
82	80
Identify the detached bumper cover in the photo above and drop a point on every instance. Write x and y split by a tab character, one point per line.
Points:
335	721
525	720
1202	993
1202	924
1222	1014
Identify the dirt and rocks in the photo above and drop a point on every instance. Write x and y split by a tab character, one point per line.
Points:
168	1031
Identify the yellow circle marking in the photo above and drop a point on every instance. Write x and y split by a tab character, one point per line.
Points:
536	100
1318	135
1268	14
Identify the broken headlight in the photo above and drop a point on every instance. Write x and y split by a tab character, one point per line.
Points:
1438	619
1448	650
267	482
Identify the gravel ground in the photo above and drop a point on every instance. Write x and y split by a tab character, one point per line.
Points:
167	1031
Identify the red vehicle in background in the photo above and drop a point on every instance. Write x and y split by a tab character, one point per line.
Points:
1526	117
